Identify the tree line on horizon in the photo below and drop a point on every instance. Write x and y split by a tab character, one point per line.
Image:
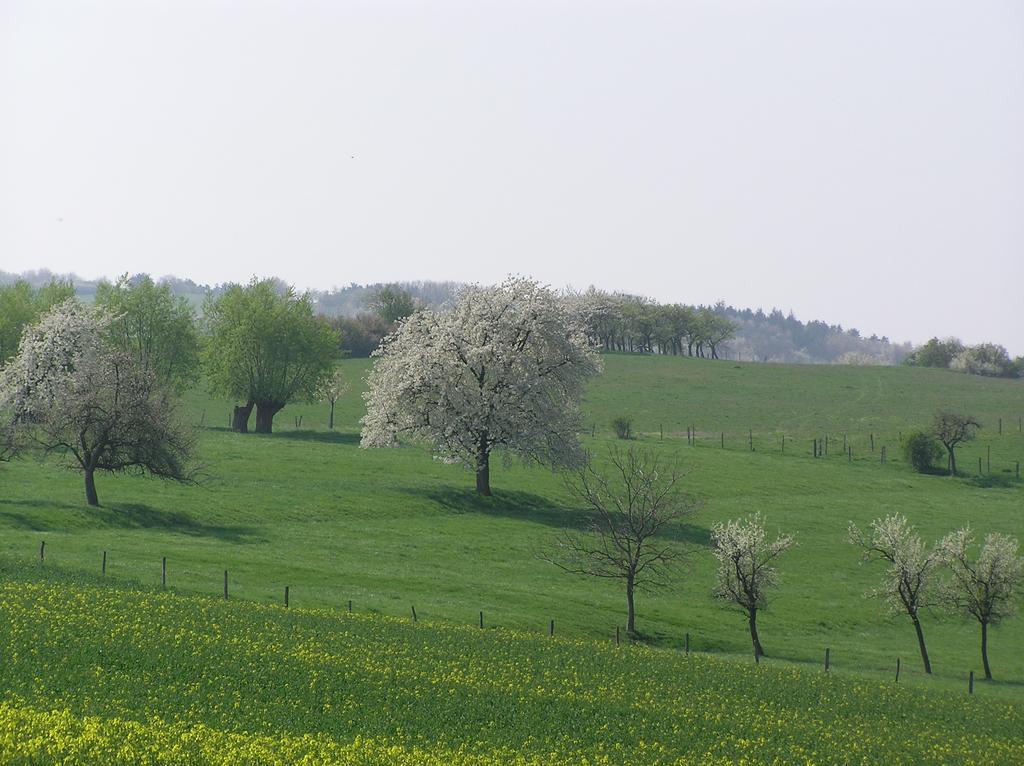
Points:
758	335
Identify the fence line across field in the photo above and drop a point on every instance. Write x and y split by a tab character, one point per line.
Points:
821	447
415	616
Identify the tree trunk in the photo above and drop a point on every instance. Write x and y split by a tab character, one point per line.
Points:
90	487
630	611
952	461
265	412
331	423
921	646
483	467
752	620
240	418
984	650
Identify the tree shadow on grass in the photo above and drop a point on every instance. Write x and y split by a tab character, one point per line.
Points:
119	516
526	506
141	516
991	481
321	437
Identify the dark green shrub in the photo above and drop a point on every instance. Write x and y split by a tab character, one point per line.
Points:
922	451
623	427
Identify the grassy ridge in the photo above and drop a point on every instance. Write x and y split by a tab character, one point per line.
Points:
393	528
94	673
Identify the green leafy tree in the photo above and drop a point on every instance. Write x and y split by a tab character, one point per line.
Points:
266	348
935	353
391	303
155	327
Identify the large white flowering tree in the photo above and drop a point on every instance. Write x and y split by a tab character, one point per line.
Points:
746	570
504	369
70	394
910	576
982	588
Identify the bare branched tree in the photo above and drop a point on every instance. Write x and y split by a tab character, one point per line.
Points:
908	582
634	502
952	429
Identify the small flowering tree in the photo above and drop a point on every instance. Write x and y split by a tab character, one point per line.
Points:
69	394
745	567
910	576
502	370
332	389
984	588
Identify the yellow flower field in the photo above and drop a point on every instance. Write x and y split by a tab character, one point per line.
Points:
96	674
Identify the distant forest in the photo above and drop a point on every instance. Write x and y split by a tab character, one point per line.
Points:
761	336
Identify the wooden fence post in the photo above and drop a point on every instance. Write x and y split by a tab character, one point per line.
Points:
826	445
897	670
350	605
414	618
551	628
481	620
42	550
970	683
723	439
225	584
827	651
103	566
285	596
616	635
163	572
872	442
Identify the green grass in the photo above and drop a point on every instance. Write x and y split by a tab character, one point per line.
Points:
98	673
390	529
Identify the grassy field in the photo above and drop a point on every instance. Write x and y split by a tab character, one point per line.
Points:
99	673
393	529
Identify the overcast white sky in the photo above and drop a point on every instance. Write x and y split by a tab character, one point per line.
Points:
858	162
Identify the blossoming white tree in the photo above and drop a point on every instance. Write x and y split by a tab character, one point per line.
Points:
910	576
504	369
984	588
69	394
331	390
745	571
